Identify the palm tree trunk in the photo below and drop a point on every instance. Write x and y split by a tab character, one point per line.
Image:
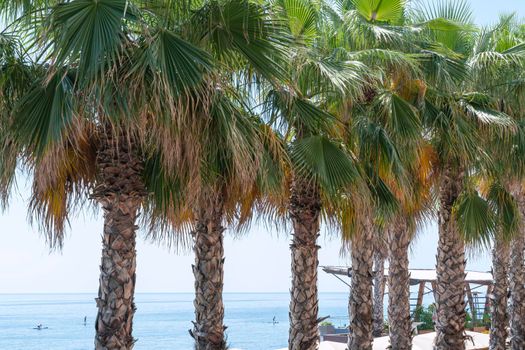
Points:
305	208
208	328
517	280
499	320
360	304
379	287
450	268
120	191
399	287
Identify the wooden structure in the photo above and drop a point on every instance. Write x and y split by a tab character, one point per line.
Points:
425	277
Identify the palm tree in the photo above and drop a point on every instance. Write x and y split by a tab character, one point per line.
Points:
380	256
234	150
81	128
516	278
505	215
399	319
450	266
455	112
300	111
230	148
499	301
415	206
505	83
499	317
492	215
495	60
384	122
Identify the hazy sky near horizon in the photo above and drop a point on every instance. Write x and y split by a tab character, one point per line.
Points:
258	261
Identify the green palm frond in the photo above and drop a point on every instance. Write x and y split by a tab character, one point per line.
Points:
310	117
274	161
288	111
165	189
401	117
235	143
454	137
171	61
301	17
319	159
506	210
270	175
475	220
168	13
477	105
90	33
496	57
377	147
380	10
493	60
332	14
385	202
13	10
362	34
458	12
518	49
388	60
240	31
44	113
334	73
442	67
441	24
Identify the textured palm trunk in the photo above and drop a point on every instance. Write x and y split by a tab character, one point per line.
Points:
379	287
360	304
517	280
450	268
120	192
208	328
498	308
399	287
305	208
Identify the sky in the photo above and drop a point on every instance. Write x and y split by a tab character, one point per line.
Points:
258	261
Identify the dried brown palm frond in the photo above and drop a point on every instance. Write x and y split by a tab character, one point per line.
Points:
62	180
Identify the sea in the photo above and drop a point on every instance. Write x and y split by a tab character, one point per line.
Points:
161	322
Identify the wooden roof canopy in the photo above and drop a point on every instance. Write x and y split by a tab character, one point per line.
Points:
419	275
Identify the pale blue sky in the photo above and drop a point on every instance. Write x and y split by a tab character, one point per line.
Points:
256	262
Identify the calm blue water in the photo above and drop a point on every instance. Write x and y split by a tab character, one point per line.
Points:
161	322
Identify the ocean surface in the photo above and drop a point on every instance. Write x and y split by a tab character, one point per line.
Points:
161	322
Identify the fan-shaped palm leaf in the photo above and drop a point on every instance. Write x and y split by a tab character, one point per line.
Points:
91	32
380	10
475	219
45	112
318	158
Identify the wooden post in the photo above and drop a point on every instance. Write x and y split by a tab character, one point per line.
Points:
434	287
471	303
420	293
419	300
490	287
